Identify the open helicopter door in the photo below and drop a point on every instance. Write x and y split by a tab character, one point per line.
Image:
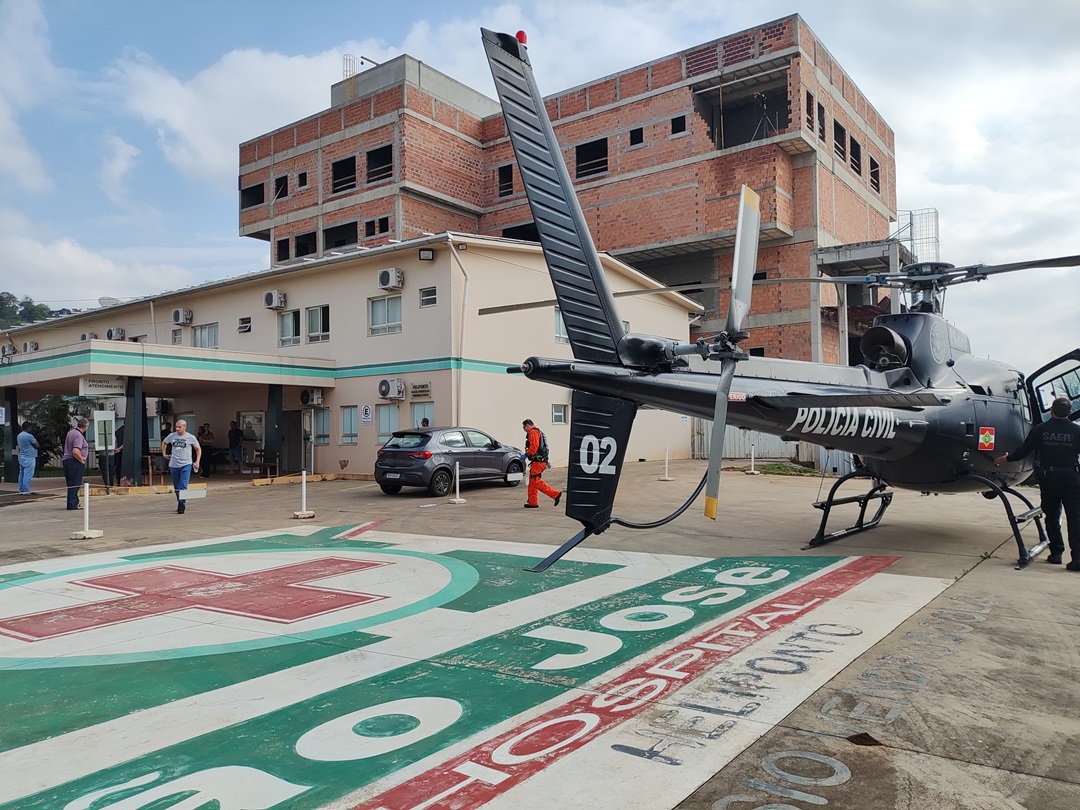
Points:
1060	378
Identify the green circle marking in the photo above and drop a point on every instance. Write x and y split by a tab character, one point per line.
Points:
463	578
386	725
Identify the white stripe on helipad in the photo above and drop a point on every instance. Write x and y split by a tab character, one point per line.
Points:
631	781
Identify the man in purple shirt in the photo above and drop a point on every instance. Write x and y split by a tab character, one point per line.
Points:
75	452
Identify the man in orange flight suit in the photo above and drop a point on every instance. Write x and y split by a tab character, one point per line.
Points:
537	464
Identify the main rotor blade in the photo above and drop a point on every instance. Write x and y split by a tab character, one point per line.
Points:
716	436
744	262
977	272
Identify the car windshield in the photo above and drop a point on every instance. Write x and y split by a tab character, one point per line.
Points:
408	441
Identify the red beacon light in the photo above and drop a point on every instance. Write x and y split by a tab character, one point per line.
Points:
521	37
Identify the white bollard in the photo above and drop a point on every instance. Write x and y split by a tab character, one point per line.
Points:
457	485
751	471
303	514
666	477
87	533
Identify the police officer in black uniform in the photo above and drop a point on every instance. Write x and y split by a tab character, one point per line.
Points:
1057	441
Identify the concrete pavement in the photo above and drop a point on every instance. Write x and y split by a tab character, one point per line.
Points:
968	702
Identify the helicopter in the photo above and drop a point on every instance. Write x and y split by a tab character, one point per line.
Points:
921	413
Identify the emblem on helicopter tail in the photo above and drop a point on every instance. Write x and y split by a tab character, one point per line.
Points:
986	438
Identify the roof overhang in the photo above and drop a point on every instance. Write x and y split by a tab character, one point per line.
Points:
166	369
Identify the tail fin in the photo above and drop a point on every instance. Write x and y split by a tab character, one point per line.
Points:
592	323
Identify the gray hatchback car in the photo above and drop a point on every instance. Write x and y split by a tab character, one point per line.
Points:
425	457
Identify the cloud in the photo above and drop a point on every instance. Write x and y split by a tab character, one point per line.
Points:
61	272
201	121
119	159
26	75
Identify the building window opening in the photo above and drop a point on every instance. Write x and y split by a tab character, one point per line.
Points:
348	424
386	417
506	180
592	158
369	228
757	351
282	250
839	135
243	326
526	233
809	111
637	136
318	324
205	336
745	113
322	426
252	195
422	411
380	163
559	414
301	180
384	315
560	328
875	175
306	244
289	328
343	175
428	297
281	187
177	336
856	156
384	224
678	124
340	235
821	122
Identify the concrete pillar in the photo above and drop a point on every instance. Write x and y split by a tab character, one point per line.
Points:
274	436
11	432
135	438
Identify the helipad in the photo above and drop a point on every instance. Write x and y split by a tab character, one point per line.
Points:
350	667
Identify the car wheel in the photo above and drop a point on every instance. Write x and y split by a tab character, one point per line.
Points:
512	468
440	483
390	489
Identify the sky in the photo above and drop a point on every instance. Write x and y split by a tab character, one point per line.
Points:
120	122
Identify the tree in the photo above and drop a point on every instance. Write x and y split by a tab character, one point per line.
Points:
30	312
51	417
9	310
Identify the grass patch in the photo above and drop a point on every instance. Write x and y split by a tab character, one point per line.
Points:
786	468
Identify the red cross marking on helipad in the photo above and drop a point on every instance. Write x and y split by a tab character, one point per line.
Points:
273	595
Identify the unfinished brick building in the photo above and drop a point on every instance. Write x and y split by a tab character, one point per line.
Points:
658	152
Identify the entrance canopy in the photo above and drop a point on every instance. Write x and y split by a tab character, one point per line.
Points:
165	369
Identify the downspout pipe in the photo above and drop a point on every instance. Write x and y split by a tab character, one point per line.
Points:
461	330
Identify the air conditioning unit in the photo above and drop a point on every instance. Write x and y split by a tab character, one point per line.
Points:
392	389
274	299
29	346
88	336
391	278
311	396
181	317
115	333
8	349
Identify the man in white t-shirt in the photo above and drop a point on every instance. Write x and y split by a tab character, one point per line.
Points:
181	461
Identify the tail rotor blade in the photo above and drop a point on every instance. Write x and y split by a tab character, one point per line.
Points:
744	263
716	438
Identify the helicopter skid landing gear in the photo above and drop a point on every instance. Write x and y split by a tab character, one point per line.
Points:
878	492
1018	521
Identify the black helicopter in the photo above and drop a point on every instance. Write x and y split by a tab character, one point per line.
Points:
922	413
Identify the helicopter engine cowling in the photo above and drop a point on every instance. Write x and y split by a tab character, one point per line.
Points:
883	348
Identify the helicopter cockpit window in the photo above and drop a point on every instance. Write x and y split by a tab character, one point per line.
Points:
1064	385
